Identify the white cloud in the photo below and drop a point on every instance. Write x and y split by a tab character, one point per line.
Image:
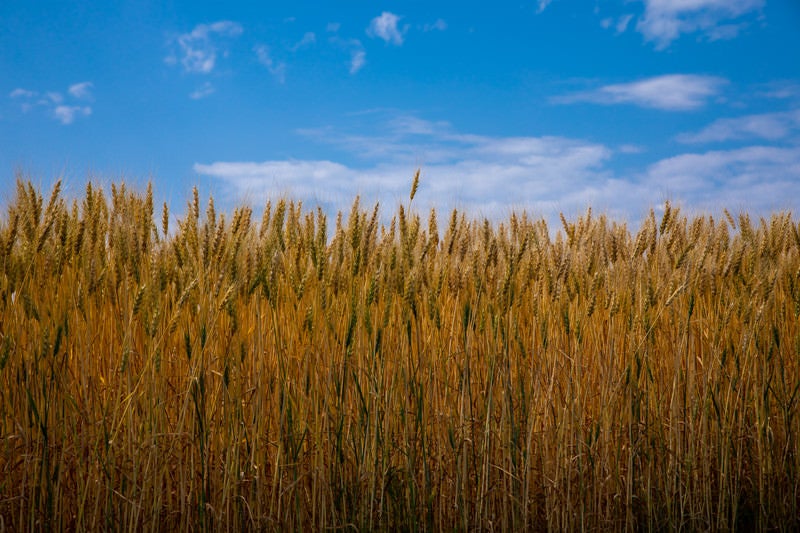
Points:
757	178
24	97
302	178
439	25
201	92
199	48
542	5
54	103
782	90
489	174
724	32
385	27
333	27
765	126
21	93
665	20
55	97
405	125
66	114
674	92
81	91
358	56
622	23
309	38
276	68
631	149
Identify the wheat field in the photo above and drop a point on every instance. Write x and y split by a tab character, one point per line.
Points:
282	371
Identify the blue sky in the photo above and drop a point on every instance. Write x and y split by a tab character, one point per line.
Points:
547	105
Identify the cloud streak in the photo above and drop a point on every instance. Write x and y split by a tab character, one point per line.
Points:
309	39
358	56
485	173
765	126
203	91
438	25
756	178
276	68
21	93
491	175
673	92
81	91
665	20
198	49
542	5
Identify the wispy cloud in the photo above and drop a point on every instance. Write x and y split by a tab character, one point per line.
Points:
66	114
276	68
757	178
674	92
309	39
385	27
198	49
21	93
620	25
305	179
781	90
358	56
764	126
26	99
81	91
489	174
53	97
438	25
665	20
54	103
206	89
542	5
631	149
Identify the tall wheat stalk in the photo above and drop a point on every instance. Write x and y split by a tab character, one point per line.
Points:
221	373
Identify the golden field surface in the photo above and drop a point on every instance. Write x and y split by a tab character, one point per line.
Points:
286	372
